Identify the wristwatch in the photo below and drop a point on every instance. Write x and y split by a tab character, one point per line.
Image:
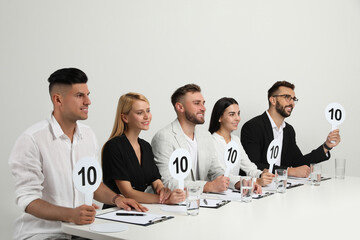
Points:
115	197
326	146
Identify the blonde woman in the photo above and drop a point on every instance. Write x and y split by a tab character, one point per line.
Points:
128	161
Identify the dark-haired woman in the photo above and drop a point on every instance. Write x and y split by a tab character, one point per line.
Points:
225	118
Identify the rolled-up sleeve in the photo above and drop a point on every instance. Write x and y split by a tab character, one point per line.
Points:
26	169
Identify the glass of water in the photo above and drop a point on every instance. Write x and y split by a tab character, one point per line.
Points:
193	200
315	174
281	180
340	168
246	188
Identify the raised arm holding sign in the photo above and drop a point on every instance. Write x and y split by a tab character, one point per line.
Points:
258	132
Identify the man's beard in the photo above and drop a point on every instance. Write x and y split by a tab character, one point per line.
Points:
281	110
193	119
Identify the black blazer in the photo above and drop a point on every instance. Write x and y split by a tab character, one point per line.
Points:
256	136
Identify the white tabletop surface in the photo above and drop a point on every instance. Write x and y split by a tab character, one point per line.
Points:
330	211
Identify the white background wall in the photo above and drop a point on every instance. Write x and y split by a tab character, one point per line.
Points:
233	48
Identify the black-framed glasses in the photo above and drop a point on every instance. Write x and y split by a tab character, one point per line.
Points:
288	97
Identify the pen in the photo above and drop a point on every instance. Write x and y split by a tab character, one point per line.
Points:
221	193
130	214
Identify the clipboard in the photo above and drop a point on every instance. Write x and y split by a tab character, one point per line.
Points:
228	195
258	196
145	220
211	203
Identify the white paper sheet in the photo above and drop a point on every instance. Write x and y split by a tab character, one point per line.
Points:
173	208
147	219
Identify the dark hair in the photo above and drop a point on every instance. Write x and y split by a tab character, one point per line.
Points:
180	92
276	87
218	111
67	76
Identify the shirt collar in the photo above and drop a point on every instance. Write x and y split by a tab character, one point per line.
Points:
273	125
218	136
58	132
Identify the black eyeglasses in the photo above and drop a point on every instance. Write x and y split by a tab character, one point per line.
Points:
287	97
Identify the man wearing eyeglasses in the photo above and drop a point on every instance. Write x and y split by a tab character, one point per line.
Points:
257	134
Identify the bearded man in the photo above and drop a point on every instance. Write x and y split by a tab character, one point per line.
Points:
206	172
258	133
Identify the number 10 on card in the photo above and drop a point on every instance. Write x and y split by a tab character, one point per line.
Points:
180	165
231	156
273	153
87	177
335	114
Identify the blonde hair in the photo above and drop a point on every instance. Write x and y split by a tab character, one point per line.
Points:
124	106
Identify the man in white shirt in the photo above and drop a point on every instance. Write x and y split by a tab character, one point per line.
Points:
257	134
206	172
42	160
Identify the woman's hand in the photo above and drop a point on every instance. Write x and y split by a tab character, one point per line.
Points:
257	188
176	196
164	193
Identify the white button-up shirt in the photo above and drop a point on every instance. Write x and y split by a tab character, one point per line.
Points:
41	163
245	164
278	133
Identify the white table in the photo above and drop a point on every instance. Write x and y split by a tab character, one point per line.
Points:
330	211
